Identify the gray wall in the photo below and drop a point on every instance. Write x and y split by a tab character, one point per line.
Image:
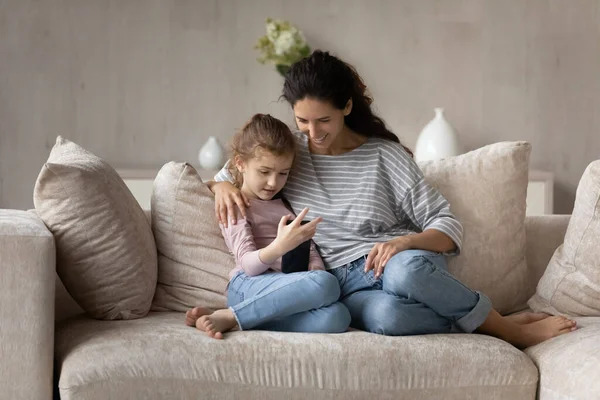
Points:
142	82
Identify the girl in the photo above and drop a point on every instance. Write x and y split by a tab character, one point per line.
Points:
385	231
259	295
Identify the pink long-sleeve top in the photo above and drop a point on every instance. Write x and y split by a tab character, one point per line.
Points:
245	238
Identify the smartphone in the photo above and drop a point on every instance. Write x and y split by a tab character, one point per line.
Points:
296	260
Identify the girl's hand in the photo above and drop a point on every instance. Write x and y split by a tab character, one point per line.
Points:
226	197
381	253
291	236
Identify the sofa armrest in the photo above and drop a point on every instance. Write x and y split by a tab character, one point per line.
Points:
544	234
27	271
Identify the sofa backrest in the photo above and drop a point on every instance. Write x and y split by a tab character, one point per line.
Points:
544	235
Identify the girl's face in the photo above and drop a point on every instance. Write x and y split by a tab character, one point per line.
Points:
264	175
321	122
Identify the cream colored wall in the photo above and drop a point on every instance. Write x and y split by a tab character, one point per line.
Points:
141	82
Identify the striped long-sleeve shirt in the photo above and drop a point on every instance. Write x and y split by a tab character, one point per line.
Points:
371	194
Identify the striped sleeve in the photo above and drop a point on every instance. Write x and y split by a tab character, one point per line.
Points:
428	209
224	175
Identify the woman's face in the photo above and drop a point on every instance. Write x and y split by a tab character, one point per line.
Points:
320	121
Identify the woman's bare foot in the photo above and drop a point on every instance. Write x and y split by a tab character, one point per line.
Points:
527	335
191	316
526	317
217	323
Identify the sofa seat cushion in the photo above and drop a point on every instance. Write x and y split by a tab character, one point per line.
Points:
158	357
569	365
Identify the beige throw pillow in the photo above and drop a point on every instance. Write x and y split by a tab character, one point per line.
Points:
193	260
106	256
487	190
571	283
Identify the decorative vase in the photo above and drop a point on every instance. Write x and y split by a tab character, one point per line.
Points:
437	140
212	154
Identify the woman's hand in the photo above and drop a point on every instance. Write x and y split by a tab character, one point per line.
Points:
226	197
290	236
381	253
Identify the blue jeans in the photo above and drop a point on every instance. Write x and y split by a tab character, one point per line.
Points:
298	302
414	295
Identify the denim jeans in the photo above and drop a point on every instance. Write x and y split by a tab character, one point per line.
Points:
297	302
414	295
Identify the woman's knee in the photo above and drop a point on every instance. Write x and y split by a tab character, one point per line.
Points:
408	268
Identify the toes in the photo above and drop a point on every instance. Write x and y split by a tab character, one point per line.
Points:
191	316
188	319
218	335
201	323
212	333
566	323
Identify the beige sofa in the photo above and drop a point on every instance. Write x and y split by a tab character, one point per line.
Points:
158	357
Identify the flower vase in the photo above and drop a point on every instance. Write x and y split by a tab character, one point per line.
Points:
437	140
212	154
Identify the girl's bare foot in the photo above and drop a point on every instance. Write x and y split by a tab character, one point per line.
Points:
526	317
217	323
191	316
536	332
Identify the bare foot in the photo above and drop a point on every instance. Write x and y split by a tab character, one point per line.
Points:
536	332
191	316
527	317
217	323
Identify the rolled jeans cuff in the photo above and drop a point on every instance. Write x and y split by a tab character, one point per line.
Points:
477	315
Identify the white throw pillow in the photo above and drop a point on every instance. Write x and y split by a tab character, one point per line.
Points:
571	283
106	256
193	259
487	190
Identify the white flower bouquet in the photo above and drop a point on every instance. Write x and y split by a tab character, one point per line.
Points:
283	45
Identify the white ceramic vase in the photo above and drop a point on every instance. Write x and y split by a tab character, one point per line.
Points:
437	140
212	154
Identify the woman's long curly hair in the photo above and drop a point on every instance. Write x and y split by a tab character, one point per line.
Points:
327	78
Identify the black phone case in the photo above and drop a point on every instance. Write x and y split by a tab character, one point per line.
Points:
296	260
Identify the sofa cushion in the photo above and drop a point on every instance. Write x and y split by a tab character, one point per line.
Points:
571	283
569	364
158	357
193	260
487	189
105	252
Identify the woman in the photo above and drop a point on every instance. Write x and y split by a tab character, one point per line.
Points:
385	232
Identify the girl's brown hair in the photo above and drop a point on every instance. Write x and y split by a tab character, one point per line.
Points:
261	133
